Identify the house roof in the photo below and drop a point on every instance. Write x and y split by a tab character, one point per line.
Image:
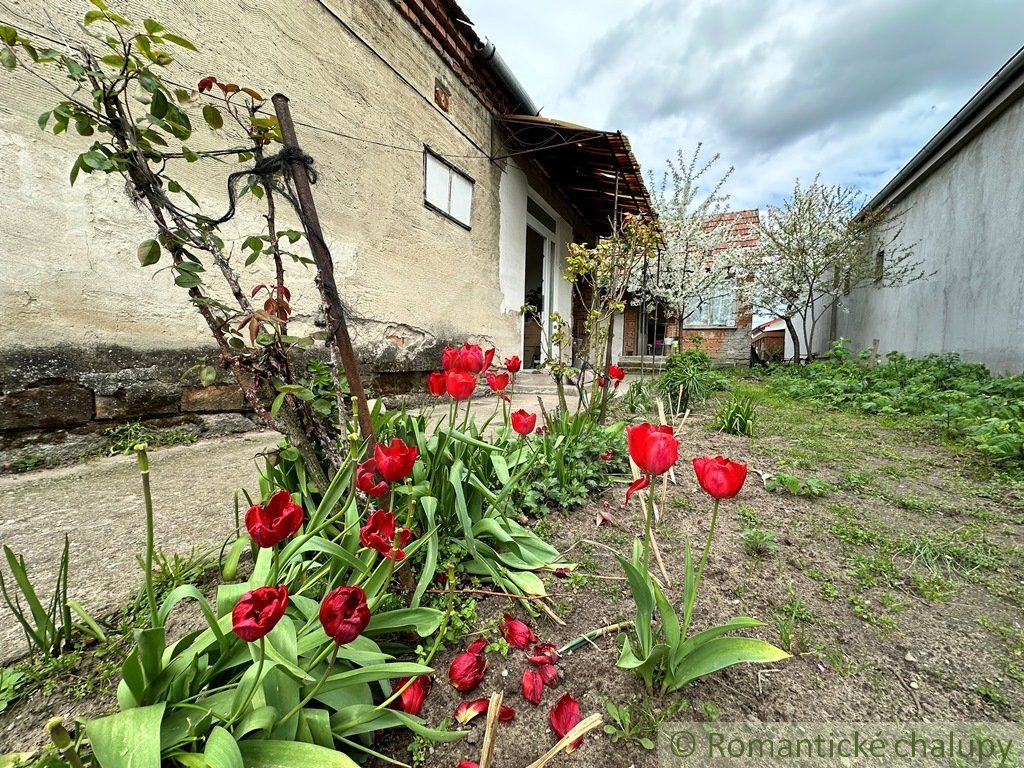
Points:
595	169
1001	91
744	232
582	163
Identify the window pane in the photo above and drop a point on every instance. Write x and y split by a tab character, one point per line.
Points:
462	198
438	183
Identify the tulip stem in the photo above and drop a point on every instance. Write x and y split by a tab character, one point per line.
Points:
648	518
314	691
252	689
147	497
703	561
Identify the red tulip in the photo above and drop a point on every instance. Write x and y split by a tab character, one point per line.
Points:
533	685
207	83
615	373
468	710
652	447
366	480
460	384
523	422
450	359
498	381
379	534
275	521
467	669
436	383
720	477
602	381
411	699
344	614
258	612
394	461
516	632
637	485
473	359
513	364
565	716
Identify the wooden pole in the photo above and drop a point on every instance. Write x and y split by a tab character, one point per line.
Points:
333	309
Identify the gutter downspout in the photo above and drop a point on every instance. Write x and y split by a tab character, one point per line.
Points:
496	65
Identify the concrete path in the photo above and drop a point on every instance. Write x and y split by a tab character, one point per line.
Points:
99	505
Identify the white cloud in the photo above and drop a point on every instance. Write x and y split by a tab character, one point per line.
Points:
781	88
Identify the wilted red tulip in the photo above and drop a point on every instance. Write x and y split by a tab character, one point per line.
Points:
468	710
516	633
616	374
460	384
637	485
411	699
498	381
271	523
543	653
562	573
608	455
548	673
207	83
523	422
533	685
513	364
436	383
467	669
258	612
379	533
344	614
473	359
367	482
720	477
395	461
602	381
652	447
565	716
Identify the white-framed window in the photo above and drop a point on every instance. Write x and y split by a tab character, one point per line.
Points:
718	309
446	189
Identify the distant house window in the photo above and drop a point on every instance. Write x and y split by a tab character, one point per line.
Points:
717	309
446	189
879	266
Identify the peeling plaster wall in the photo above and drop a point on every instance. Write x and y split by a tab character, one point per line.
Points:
68	255
71	289
966	222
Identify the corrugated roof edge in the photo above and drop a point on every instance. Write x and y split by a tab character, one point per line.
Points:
991	100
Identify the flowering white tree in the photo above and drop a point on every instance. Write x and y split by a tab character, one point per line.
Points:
697	257
817	247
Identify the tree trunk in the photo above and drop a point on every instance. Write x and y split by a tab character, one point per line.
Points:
791	329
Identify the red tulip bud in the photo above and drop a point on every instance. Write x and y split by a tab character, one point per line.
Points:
720	478
258	612
344	614
652	447
436	383
523	422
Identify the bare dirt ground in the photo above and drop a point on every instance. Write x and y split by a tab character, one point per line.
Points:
898	591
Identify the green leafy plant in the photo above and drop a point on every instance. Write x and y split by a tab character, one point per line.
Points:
688	379
11	679
48	629
737	416
638	723
798	486
759	543
124	437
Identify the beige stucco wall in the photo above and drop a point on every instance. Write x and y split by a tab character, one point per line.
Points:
68	271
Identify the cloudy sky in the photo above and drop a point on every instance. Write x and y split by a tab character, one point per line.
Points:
781	89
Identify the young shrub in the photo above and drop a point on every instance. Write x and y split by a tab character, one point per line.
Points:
736	417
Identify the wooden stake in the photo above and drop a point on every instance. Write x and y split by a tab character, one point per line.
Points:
333	308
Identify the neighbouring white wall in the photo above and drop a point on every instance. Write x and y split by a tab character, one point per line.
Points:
967	219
